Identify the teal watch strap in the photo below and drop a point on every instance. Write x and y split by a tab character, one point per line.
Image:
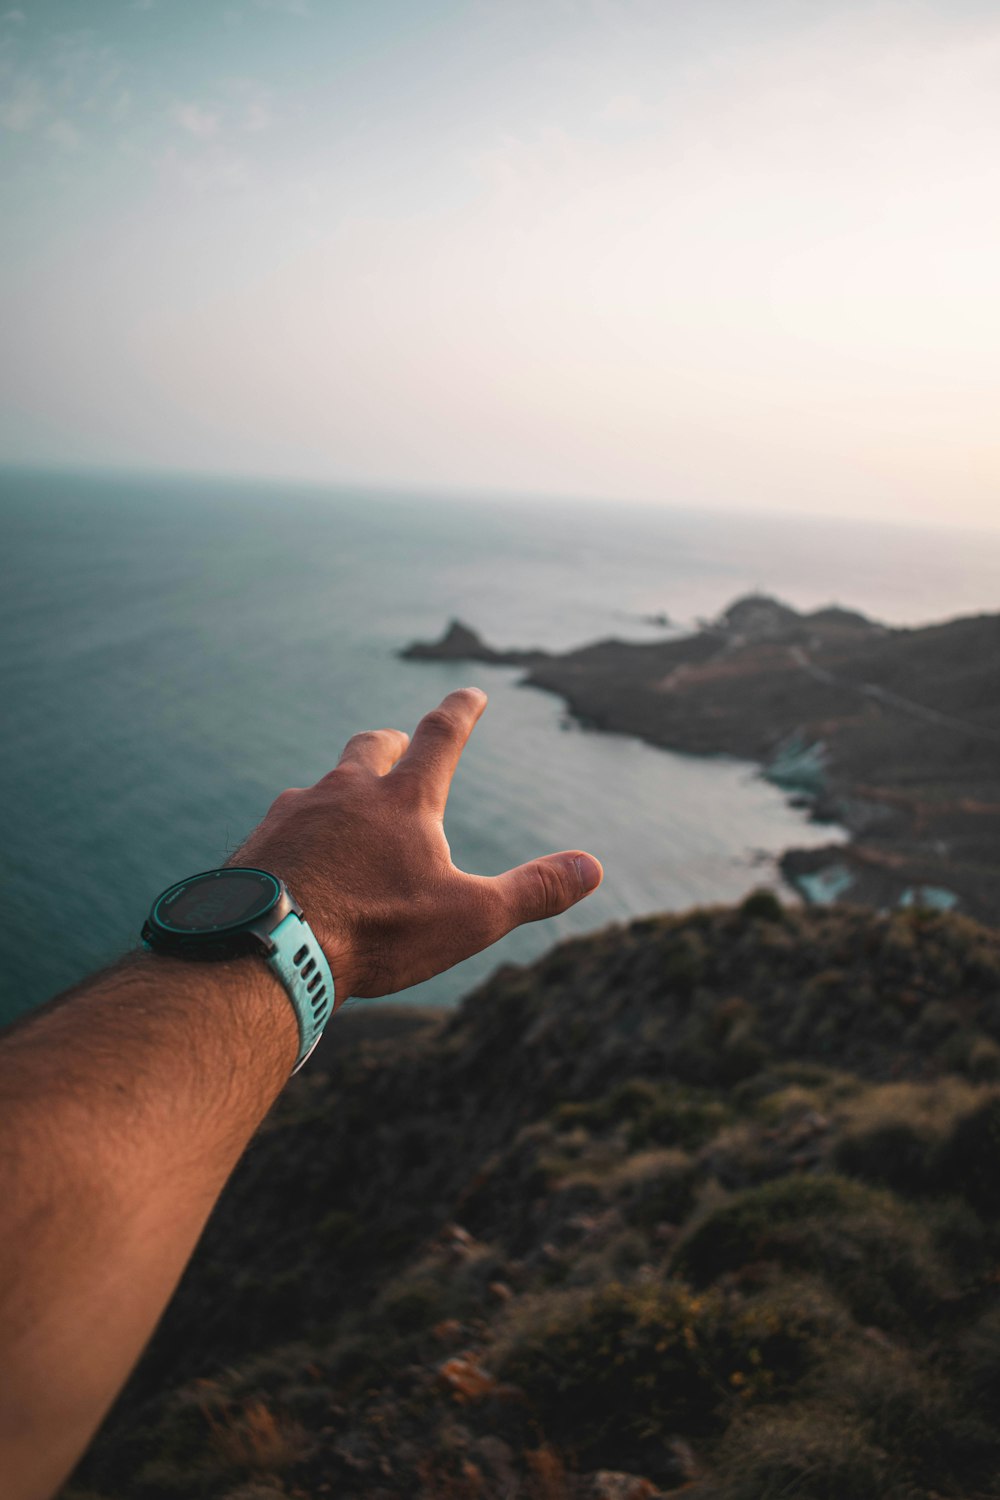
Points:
300	964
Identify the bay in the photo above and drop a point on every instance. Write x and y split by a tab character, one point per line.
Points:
176	650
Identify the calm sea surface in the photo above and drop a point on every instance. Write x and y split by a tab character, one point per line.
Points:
174	652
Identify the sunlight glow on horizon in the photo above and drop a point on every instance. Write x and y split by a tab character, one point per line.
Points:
743	259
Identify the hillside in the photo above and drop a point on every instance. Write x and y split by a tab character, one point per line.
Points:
893	733
709	1203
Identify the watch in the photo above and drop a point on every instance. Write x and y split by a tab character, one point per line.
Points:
237	910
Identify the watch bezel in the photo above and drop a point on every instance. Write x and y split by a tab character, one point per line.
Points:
225	939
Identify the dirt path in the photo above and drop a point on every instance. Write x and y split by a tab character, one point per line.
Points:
891	700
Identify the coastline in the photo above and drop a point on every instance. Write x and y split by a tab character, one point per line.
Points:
891	733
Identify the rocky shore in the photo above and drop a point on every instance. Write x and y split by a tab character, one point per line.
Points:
891	733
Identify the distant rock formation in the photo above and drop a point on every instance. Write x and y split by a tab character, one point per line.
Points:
461	643
894	734
758	617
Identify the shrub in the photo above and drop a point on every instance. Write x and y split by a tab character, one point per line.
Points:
611	1370
684	960
742	1054
910	1412
802	1453
339	1230
778	1332
977	1362
407	1306
982	1061
969	1160
255	1438
657	1186
935	1024
894	1152
773	1104
762	906
961	1238
618	1369
895	1133
655	1114
863	1242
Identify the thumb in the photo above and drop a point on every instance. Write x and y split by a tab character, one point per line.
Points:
545	887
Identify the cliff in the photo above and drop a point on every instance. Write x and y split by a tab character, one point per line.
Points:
893	733
705	1203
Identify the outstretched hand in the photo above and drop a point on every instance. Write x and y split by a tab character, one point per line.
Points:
127	1103
365	854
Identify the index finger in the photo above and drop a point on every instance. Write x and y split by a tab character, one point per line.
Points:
438	742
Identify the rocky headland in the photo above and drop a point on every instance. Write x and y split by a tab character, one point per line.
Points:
891	733
703	1205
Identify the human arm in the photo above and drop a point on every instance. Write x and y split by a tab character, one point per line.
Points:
125	1105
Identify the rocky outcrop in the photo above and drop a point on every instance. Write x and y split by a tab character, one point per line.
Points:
461	643
895	734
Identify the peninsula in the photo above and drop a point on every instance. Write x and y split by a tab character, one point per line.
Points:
891	733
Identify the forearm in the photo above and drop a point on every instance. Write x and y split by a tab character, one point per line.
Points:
124	1109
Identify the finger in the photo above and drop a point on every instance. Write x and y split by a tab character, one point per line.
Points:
375	750
545	887
438	742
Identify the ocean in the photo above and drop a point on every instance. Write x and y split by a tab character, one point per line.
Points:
177	650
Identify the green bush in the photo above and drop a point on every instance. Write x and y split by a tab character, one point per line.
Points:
743	1053
909	1410
608	1368
866	1245
657	1187
606	1371
895	1133
654	1114
762	906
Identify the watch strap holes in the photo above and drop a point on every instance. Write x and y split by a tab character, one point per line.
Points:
301	965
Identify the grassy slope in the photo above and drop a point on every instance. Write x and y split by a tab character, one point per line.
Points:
710	1200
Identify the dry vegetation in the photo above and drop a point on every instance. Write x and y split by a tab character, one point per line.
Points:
706	1204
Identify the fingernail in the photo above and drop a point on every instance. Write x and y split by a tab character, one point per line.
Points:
474	689
589	871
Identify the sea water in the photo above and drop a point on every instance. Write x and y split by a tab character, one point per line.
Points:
175	651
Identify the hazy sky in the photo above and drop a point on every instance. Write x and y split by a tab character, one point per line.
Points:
721	252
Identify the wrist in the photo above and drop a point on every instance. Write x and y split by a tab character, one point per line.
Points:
243	910
235	1006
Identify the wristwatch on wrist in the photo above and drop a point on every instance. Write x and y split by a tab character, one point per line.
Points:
230	912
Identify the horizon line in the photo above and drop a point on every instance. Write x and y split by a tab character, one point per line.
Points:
457	491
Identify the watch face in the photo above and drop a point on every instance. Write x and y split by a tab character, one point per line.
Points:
216	901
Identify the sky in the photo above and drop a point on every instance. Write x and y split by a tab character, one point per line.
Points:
727	254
